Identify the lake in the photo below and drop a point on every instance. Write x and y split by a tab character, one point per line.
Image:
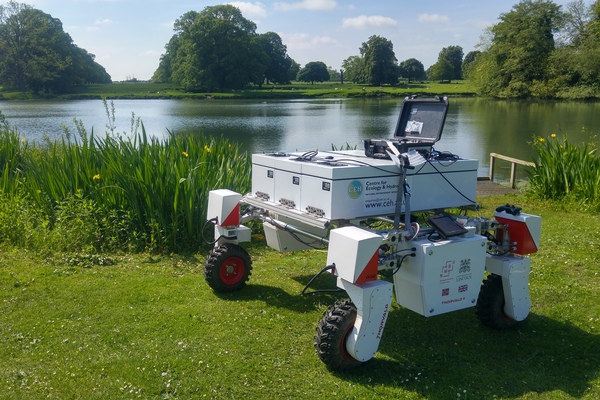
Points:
474	127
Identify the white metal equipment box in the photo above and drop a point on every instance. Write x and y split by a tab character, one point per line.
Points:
443	276
347	184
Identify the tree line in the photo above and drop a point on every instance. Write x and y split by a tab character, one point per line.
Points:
536	49
539	50
37	55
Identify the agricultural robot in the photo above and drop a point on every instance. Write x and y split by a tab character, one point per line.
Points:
394	220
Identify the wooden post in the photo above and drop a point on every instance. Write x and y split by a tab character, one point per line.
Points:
492	162
513	174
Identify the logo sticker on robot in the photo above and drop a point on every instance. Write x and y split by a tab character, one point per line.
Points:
355	189
465	266
447	268
446	274
382	323
464	270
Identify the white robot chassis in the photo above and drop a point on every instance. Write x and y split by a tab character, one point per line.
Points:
434	261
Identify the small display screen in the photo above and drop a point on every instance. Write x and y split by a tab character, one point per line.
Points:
446	226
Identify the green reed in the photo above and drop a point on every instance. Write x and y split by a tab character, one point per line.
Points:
137	192
565	170
12	149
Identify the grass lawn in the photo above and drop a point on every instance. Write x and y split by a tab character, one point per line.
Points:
143	90
145	326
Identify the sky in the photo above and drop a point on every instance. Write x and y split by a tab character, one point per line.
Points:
128	36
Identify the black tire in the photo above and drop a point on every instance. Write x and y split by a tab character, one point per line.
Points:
490	304
332	332
227	268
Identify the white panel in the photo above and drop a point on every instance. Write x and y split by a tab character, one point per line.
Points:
444	276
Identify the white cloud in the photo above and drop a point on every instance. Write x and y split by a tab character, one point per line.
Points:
304	41
250	10
365	21
432	18
311	5
104	21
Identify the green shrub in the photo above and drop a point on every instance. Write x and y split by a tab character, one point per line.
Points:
21	223
75	227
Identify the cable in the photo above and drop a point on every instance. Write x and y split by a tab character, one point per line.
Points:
434	240
450	183
443	156
214	220
349	160
293	234
412	254
327	268
417	228
308	156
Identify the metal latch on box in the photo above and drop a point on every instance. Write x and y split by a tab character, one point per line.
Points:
315	211
287	203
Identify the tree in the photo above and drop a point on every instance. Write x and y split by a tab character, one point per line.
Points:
279	62
454	54
293	70
314	71
412	69
38	55
448	65
218	49
576	21
594	26
353	69
577	64
441	70
85	69
164	72
521	45
334	74
215	49
468	62
380	65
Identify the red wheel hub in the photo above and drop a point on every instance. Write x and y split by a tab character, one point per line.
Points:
232	270
343	348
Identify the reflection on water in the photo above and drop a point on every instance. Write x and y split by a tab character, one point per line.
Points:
474	127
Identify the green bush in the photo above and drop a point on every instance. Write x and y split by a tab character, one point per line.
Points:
566	171
21	224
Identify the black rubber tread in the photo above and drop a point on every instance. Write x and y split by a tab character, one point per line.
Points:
217	259
332	331
490	304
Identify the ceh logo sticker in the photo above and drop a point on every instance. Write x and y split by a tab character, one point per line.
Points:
355	189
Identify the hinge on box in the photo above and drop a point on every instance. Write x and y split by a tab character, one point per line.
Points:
316	211
263	196
287	203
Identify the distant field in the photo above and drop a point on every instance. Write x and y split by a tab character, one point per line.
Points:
142	90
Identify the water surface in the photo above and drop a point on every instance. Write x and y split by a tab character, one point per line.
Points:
474	127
